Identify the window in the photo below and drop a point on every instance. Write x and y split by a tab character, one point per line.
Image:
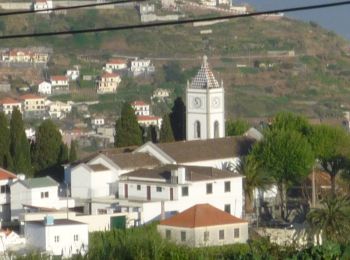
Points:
236	233
216	129
76	237
4	189
221	234
209	188
138	187
57	239
197	129
44	194
183	236
206	235
184	191
228	208
167	234
159	189
227	186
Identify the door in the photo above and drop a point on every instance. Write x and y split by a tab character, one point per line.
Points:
171	194
126	190
148	192
118	222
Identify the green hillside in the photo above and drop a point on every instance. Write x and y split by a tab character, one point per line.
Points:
315	81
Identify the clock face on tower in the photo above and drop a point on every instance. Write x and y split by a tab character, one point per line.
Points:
197	102
215	102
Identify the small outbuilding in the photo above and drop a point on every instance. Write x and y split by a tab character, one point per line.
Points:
204	225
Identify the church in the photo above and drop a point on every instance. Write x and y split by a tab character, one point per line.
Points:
205	106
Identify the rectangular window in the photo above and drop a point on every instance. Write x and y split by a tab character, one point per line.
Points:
76	237
206	235
3	188
209	188
227	186
184	191
167	234
138	187
44	194
57	239
159	189
228	208
221	234
236	233
183	236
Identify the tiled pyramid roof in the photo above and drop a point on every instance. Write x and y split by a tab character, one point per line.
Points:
205	77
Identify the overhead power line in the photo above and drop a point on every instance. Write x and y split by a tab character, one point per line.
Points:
69	7
169	23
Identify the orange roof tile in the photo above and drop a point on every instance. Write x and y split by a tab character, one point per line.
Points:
147	118
58	78
8	100
4	174
110	75
116	61
139	103
201	215
29	96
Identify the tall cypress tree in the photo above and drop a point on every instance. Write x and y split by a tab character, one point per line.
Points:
73	152
127	130
166	133
178	119
48	146
19	145
5	157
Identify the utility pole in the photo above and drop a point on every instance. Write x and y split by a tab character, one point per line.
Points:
313	187
67	199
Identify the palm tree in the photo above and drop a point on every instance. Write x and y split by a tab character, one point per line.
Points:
255	178
332	221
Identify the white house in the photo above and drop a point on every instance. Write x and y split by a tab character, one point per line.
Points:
141	66
73	74
204	225
42	5
57	237
150	120
33	104
108	83
96	122
36	193
116	64
6	179
58	109
174	188
45	88
59	81
7	105
161	93
141	108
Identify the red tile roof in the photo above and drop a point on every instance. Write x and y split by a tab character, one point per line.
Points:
147	118
201	215
8	100
139	103
116	61
5	175
110	75
59	78
30	96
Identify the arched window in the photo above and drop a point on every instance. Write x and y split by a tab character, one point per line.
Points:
197	129
216	129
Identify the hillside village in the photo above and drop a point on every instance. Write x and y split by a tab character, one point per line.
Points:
157	147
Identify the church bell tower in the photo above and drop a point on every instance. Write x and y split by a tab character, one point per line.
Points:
205	108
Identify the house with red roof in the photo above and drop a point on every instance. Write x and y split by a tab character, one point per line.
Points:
7	105
6	179
141	108
204	225
33	104
108	83
116	64
59	82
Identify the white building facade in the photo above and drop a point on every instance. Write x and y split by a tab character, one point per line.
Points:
8	104
141	108
108	83
45	88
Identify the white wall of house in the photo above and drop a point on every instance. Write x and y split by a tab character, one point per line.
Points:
58	239
196	236
44	88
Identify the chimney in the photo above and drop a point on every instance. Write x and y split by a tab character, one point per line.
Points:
21	177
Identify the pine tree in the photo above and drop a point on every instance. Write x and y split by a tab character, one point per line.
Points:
178	119
64	154
19	145
127	130
166	133
5	157
48	146
73	152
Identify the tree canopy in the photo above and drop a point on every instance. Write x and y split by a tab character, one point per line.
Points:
19	145
166	133
178	119
73	152
127	130
236	127
5	157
